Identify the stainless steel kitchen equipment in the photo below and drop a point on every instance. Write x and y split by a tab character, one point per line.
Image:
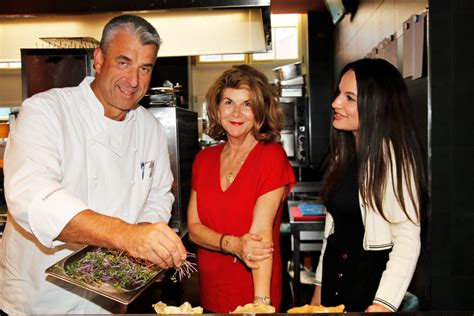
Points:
289	71
161	96
58	270
3	219
182	135
296	134
3	204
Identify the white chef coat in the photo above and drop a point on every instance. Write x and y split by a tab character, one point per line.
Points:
65	156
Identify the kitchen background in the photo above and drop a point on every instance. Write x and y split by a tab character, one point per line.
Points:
442	93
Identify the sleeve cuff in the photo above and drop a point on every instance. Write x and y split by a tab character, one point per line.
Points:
163	217
385	304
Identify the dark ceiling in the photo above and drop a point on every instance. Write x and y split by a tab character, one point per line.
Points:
12	8
297	6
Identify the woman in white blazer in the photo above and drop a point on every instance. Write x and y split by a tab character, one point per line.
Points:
375	192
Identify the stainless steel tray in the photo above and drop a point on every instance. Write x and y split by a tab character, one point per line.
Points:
120	295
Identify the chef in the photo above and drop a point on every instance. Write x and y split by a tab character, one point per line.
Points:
87	165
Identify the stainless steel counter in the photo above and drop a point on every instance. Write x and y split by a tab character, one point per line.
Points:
3	219
3	204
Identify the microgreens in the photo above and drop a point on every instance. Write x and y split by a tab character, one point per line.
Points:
113	267
185	269
120	270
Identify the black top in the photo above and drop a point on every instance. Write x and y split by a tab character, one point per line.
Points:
350	274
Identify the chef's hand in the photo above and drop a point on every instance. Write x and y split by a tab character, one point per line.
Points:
157	243
251	249
316	299
376	308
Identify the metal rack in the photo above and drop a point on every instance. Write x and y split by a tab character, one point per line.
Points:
306	235
71	42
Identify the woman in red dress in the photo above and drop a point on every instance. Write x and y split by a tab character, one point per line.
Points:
238	189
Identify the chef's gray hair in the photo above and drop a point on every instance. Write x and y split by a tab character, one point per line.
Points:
134	24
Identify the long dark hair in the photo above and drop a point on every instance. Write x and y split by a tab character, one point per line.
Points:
264	102
386	140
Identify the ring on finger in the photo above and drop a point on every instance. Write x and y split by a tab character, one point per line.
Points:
248	256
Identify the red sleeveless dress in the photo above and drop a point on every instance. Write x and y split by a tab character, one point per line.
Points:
224	284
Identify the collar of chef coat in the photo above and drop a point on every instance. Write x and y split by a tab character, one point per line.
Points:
94	102
112	140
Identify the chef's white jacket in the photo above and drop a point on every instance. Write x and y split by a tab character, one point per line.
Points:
62	157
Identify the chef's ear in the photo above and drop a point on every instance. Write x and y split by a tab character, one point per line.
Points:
98	59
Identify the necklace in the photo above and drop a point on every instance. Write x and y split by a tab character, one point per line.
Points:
230	177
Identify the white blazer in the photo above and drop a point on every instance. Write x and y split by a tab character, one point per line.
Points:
62	157
401	234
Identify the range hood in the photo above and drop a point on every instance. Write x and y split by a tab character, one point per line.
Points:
188	27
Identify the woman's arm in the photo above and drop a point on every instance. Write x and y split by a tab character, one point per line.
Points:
264	214
400	266
198	232
238	246
316	299
405	236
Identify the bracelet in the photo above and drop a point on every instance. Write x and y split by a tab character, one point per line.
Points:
262	299
226	242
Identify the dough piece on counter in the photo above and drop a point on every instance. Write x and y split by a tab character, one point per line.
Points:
185	308
254	309
309	309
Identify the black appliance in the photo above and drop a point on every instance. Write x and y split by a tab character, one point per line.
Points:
46	68
297	128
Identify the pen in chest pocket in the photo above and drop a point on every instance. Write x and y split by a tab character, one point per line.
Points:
152	167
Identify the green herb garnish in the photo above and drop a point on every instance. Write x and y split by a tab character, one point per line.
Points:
120	270
185	269
112	267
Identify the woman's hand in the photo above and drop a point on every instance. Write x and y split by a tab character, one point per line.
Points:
376	308
316	299
251	249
